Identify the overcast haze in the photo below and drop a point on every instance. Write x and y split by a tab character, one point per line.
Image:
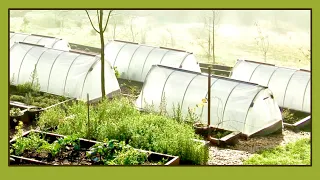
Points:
288	31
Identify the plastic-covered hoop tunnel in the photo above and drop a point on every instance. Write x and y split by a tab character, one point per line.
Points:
59	72
133	60
47	41
291	87
235	105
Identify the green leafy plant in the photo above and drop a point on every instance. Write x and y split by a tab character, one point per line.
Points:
129	156
114	152
163	106
12	79
162	162
35	143
289	117
28	98
133	90
17	98
51	118
118	119
116	72
177	114
29	93
15	112
102	152
31	143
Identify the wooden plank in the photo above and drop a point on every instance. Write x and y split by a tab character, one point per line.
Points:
216	66
259	62
217	72
83	48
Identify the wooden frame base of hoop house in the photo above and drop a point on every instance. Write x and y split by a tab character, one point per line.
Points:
301	120
17	160
298	125
230	139
275	128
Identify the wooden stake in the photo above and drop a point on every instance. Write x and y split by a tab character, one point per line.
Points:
88	130
209	94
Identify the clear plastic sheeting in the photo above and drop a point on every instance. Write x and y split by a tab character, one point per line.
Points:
291	87
235	105
61	72
133	61
47	41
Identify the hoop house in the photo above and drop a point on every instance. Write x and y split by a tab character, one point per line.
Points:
61	72
134	61
47	41
235	105
291	87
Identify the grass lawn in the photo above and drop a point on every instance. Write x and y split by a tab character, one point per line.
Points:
297	153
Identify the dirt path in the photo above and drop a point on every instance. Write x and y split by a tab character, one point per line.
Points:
244	149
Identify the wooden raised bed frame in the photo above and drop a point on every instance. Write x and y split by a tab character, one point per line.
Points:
29	115
230	139
16	160
300	124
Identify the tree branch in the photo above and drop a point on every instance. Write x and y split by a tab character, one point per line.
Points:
98	15
105	27
91	22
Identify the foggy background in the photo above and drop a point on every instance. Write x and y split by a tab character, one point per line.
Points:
286	31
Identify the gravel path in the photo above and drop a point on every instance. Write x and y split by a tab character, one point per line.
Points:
244	149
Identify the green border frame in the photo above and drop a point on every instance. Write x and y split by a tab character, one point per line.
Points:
151	172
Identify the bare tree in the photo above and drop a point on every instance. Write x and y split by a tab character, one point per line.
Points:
143	36
262	41
306	54
60	17
115	20
210	22
25	24
172	40
133	34
101	32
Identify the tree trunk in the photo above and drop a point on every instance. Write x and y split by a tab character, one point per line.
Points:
213	45
114	31
131	29
209	46
103	91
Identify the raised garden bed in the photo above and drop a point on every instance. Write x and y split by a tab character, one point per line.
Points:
16	115
32	102
130	88
33	98
216	136
296	120
41	148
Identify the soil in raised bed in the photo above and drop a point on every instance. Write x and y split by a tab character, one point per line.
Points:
130	87
213	132
291	116
219	133
35	98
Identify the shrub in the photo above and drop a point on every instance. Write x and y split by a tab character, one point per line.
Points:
51	118
15	112
17	98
